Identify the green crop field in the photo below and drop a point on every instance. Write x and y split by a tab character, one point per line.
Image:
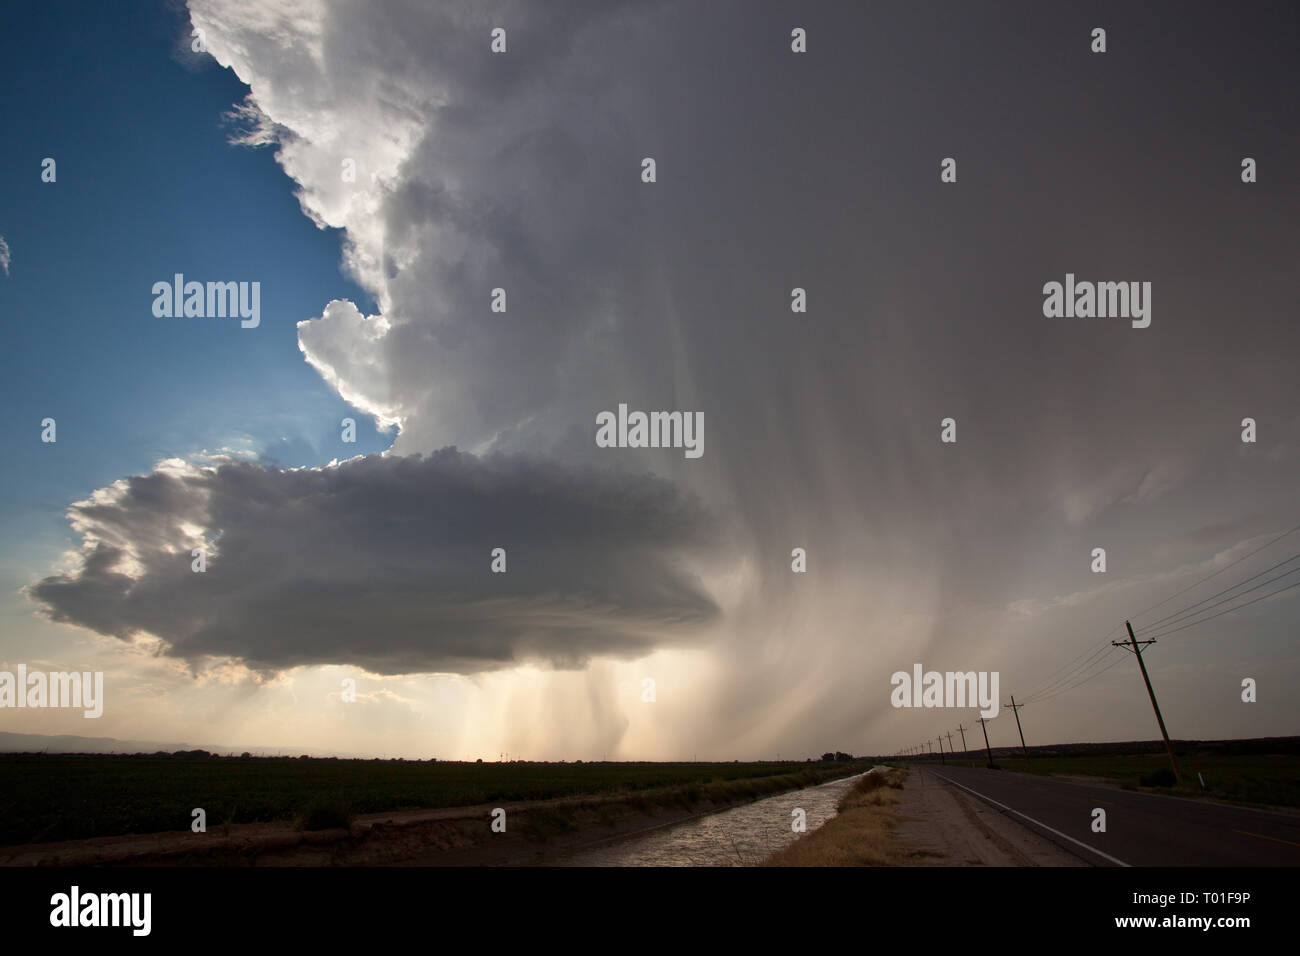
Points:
49	797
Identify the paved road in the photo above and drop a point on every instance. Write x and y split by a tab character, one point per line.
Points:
1141	829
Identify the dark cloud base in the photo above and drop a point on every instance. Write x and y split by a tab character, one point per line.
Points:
384	563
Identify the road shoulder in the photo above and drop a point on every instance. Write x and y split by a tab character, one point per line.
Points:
939	825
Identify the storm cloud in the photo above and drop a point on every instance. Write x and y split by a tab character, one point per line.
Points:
384	563
776	171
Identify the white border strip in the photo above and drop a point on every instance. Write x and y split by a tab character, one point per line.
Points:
1035	822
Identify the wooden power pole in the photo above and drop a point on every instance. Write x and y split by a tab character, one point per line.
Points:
984	723
1136	646
1015	709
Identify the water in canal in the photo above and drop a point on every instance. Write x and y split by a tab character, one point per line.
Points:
742	836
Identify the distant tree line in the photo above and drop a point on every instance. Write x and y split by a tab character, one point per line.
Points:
838	757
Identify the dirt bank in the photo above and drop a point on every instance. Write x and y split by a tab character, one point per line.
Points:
912	818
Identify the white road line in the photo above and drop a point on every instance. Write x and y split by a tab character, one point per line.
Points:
1039	823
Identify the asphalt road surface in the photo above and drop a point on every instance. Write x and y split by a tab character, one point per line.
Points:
1141	829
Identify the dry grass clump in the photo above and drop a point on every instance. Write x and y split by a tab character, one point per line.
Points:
860	835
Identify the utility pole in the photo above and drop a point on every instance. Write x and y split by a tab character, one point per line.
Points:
1015	709
941	760
984	724
963	743
1136	646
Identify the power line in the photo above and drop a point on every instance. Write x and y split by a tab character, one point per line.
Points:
1051	678
1073	672
1079	683
1215	574
1097	667
1186	612
1064	669
1179	627
1262	597
1055	685
1247	580
1086	666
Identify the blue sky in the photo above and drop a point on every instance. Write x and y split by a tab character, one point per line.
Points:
147	186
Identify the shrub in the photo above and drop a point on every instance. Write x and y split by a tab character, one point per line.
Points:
326	813
1164	777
